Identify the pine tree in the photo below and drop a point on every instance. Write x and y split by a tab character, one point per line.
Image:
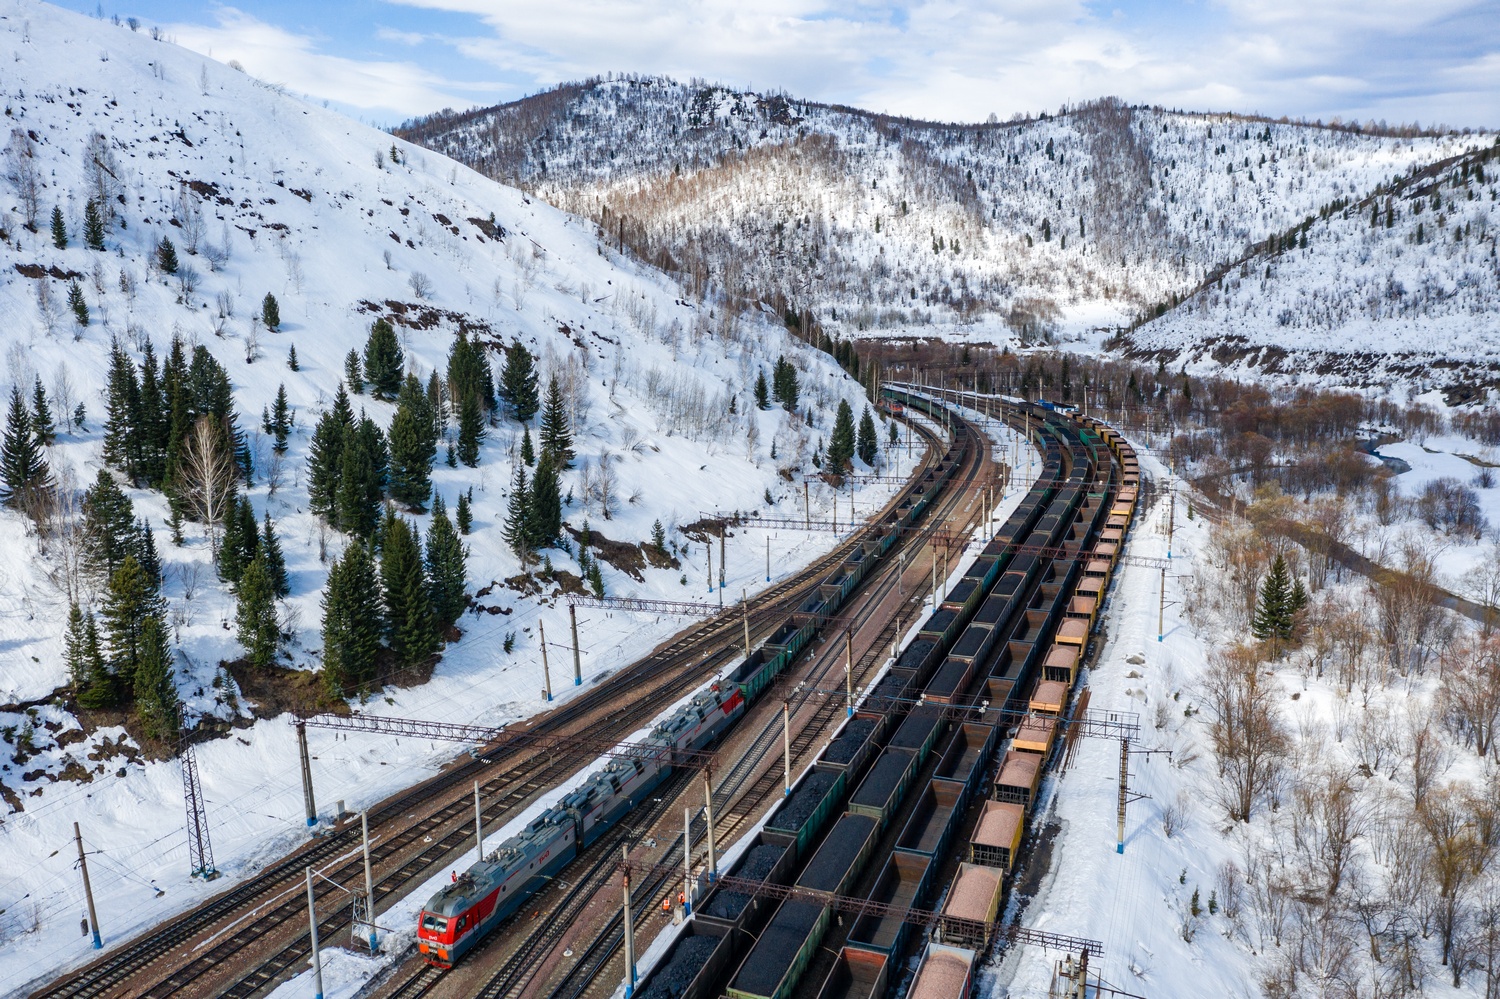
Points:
596	578
841	443
1297	599
435	401
93	686
557	437
281	420
515	530
74	650
77	303
255	613
471	431
25	479
446	566
325	458
156	704
528	451
762	394
144	550
362	479
93	226
270	550
240	541
463	515
545	506
784	384
409	626
130	601
518	382
351	621
893	439
354	373
659	538
469	374
270	312
1273	615
153	435
868	444
123	411
166	256
291	358
413	446
383	360
108	527
59	228
80	414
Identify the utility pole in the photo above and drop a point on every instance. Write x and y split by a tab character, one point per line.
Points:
708	550
307	787
577	667
934	579
312	919
1124	778
1171	511
722	533
364	835
200	849
546	670
708	812
768	558
786	745
687	861
806	507
478	824
745	603
1161	605
629	928
88	891
849	670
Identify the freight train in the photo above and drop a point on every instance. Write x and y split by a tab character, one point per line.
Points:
460	914
1009	636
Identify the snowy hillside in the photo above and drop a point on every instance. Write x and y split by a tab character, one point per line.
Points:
1385	286
264	194
1060	222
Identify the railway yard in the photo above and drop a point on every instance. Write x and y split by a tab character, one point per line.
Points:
848	834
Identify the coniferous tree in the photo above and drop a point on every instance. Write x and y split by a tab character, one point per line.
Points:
452	456
351	621
270	550
236	549
25	479
130	601
596	578
108	527
100	691
545	504
436	397
413	446
516	529
383	360
446	566
469	373
354	373
144	550
73	650
867	443
153	432
557	436
528	451
270	312
156	703
291	358
325	459
281	420
166	256
409	626
762	394
255	613
80	414
471	432
463	515
77	303
1273	614
518	382
841	443
659	538
363	477
59	228
93	226
784	384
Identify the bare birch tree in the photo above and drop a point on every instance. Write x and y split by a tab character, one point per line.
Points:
208	474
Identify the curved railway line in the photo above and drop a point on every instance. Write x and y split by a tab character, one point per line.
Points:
415	833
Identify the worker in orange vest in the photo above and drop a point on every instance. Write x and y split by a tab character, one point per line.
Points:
666	904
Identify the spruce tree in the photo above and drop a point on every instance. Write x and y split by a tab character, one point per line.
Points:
596	578
25	478
59	228
557	437
362	481
291	358
383	360
77	303
545	517
351	621
325	459
270	312
469	373
471	431
528	451
762	395
463	515
516	529
354	373
281	420
100	690
108	527
867	444
841	443
1273	614
74	641
446	566
153	434
93	226
156	704
144	550
236	549
409	626
122	406
659	538
130	601
255	613
518	382
413	446
166	256
270	550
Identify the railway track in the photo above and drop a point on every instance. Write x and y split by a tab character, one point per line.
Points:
239	920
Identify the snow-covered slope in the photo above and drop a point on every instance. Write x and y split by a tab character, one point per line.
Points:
1071	220
299	202
1405	283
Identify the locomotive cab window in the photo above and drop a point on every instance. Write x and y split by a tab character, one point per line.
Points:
436	924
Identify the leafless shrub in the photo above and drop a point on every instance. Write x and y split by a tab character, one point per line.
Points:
421	284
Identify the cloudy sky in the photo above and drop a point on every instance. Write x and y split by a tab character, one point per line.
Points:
956	60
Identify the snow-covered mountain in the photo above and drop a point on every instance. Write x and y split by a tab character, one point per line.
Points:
878	223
